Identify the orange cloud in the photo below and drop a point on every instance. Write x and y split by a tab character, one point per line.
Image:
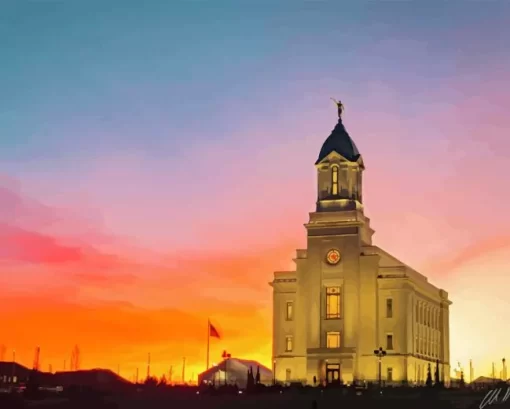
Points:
467	255
22	245
119	306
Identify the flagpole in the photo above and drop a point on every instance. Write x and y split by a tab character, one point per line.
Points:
208	336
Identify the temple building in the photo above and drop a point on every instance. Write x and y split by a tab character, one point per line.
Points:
348	298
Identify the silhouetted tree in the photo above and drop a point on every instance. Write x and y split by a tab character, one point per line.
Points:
162	381
257	378
314	380
437	381
462	383
429	377
251	381
151	381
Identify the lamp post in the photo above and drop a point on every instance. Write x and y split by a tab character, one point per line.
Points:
274	371
380	353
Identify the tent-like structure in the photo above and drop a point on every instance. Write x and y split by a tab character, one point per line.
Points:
235	372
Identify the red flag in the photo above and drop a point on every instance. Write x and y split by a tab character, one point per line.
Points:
213	332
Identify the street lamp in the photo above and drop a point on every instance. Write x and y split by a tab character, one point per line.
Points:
380	353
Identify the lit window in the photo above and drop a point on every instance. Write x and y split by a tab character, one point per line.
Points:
290	311
389	308
333	339
288	343
389	342
389	374
332	302
334	180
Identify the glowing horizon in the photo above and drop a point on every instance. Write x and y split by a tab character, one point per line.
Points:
152	178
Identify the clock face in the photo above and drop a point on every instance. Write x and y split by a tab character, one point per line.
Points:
333	256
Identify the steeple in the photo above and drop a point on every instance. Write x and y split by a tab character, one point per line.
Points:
339	169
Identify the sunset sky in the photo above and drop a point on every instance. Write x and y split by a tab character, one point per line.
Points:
156	166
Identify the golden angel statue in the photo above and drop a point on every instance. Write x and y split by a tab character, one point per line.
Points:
339	106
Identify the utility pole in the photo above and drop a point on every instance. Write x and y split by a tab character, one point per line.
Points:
149	366
504	377
170	374
36	359
136	379
75	358
184	370
379	353
13	364
470	371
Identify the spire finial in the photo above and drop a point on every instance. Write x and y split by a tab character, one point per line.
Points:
340	108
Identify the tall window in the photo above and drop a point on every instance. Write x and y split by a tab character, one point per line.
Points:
389	374
389	308
288	343
333	339
334	180
332	302
290	311
389	342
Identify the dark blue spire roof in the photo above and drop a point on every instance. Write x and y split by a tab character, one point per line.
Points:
340	142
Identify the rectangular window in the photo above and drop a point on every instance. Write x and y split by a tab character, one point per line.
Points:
332	302
389	308
333	339
334	180
288	343
290	311
389	342
389	374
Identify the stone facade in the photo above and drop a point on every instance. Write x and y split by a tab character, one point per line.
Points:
348	297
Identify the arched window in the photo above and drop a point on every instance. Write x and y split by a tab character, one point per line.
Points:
334	180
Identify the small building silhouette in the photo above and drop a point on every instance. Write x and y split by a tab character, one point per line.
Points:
235	371
13	373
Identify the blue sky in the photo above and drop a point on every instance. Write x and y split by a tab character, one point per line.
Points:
76	75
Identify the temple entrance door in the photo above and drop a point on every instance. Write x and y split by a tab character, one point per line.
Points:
333	374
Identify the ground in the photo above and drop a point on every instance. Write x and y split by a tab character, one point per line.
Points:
291	399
